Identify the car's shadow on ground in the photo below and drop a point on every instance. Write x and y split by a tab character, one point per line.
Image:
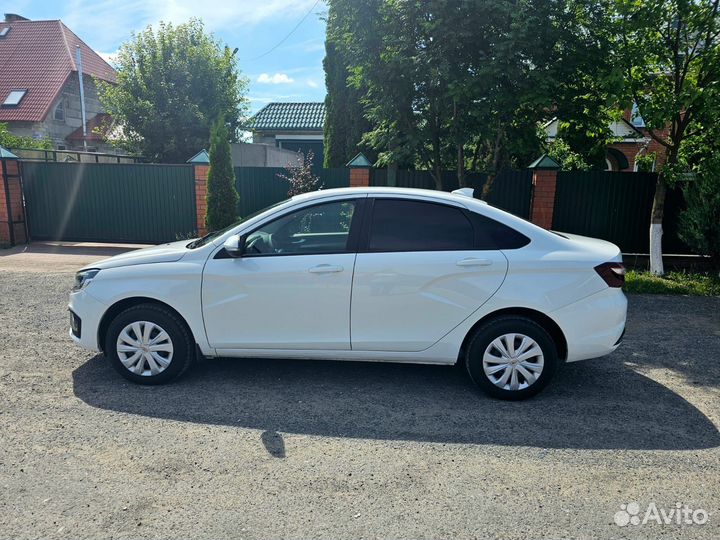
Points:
599	404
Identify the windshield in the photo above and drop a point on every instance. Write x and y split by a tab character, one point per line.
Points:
212	235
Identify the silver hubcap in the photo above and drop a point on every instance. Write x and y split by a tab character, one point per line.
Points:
513	361
144	348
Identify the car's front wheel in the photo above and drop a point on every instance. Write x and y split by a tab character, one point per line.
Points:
511	357
149	344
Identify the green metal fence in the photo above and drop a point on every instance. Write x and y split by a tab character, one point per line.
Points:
615	206
510	189
260	187
109	203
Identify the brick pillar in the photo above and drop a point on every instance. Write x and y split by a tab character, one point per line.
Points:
360	177
543	197
201	175
12	209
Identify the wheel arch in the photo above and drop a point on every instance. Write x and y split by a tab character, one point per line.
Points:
126	303
548	324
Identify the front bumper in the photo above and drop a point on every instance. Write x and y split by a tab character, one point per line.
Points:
593	326
89	311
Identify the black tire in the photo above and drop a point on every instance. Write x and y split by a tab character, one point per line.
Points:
181	340
501	326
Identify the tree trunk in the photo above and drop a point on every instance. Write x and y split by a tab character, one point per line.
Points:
497	151
656	228
461	165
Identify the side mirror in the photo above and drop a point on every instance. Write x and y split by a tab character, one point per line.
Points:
235	245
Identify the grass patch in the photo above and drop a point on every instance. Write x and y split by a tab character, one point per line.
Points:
672	283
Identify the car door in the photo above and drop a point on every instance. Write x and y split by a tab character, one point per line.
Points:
291	287
419	274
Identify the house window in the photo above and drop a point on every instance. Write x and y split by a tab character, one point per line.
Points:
60	111
4	31
14	97
637	120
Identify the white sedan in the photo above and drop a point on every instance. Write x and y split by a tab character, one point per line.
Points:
375	274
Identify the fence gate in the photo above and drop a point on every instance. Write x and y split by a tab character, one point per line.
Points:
109	202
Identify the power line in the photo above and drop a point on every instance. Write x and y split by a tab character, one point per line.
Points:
283	40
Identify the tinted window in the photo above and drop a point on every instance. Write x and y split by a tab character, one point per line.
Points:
491	234
324	228
399	225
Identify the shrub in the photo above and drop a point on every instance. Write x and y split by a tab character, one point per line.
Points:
300	175
222	197
700	223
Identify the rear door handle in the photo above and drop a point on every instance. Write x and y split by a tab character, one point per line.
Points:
472	261
325	268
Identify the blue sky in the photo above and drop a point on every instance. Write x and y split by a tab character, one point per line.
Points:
291	72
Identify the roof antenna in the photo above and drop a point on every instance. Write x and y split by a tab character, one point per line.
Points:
78	59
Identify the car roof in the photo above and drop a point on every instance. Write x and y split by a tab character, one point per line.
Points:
384	191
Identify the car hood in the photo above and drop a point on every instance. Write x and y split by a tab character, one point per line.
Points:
171	252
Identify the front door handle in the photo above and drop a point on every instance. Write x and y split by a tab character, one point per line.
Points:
325	268
472	261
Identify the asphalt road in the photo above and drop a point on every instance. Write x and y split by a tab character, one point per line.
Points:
270	449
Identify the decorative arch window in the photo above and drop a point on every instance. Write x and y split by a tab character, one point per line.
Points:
59	113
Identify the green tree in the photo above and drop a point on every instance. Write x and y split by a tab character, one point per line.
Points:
172	83
463	84
222	197
8	140
670	53
345	123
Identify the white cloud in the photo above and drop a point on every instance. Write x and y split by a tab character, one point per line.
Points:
277	78
312	84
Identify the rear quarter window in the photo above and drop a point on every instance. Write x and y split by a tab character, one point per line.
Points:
491	234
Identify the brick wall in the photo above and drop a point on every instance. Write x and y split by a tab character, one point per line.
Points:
544	183
201	175
359	177
16	211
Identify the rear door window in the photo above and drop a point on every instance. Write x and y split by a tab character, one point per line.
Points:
404	225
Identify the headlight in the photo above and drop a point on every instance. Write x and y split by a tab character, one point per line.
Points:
84	277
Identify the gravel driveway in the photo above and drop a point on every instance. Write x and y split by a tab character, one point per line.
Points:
259	449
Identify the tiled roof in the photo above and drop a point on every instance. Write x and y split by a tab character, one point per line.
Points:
289	116
40	56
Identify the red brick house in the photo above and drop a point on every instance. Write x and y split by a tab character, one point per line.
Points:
40	85
633	141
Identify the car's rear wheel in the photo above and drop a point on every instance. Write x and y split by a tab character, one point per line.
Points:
511	357
149	344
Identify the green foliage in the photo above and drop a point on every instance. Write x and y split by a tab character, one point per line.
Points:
8	140
646	162
222	197
300	175
172	83
569	160
345	123
464	84
672	283
700	223
670	54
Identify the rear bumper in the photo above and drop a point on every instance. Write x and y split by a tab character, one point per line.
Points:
593	326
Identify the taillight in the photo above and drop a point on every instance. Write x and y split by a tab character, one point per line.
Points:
613	273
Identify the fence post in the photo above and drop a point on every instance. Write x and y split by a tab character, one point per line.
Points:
544	182
359	171
201	167
12	209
